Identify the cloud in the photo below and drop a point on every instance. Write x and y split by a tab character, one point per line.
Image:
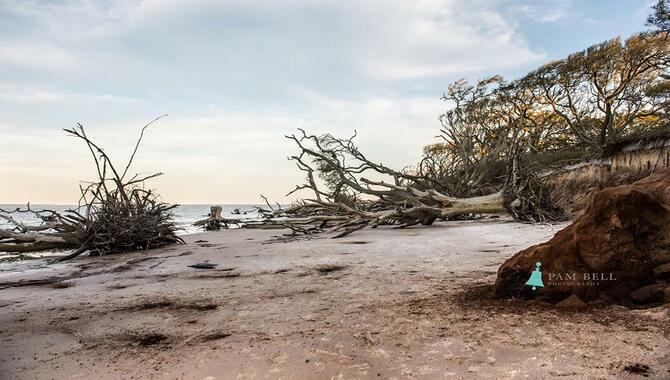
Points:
424	40
10	93
36	56
235	42
59	20
542	11
235	76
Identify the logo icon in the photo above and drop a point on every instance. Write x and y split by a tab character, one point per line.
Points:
535	279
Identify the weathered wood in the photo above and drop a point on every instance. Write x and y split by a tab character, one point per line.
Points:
215	221
115	214
401	202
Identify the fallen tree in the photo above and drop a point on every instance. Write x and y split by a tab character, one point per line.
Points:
345	198
115	213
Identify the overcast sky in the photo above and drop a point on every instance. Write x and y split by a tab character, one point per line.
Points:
235	76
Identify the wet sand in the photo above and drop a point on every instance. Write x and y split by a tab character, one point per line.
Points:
382	303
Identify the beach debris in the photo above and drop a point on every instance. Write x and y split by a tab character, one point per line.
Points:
216	222
204	266
115	213
62	285
617	251
329	268
172	304
215	274
117	286
638	369
215	336
151	339
349	202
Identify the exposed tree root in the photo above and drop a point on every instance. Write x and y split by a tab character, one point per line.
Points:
344	201
115	214
215	221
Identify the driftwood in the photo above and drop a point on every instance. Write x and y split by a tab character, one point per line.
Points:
115	214
345	201
53	232
215	222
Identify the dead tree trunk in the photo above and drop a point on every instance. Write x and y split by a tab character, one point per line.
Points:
214	220
346	201
526	195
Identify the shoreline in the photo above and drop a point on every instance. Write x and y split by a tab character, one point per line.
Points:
381	303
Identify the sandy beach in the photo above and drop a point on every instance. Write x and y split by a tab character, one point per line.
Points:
391	304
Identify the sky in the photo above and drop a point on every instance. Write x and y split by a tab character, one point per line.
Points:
236	76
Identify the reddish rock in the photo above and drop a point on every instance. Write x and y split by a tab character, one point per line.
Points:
613	248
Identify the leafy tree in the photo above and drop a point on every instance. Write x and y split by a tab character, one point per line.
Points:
660	19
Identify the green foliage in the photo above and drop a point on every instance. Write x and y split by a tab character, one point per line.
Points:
660	18
564	110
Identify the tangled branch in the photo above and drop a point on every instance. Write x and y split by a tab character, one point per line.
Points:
115	213
345	198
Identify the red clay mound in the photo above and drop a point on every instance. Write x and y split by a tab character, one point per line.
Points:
617	251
